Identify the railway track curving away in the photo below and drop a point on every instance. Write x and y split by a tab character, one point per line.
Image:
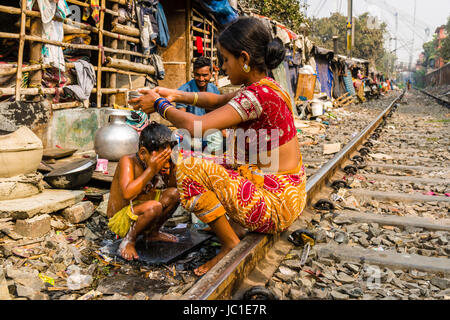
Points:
379	234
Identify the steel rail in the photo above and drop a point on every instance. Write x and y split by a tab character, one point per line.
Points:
232	269
439	100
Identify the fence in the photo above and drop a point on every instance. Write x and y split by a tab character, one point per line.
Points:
439	77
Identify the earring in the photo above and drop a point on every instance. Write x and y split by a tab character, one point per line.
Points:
246	68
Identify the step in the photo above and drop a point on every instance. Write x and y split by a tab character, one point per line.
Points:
49	201
406	179
389	259
391	220
402	167
396	196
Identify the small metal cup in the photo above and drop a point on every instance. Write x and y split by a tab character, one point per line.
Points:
133	95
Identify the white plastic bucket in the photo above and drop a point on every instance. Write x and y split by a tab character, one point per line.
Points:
316	108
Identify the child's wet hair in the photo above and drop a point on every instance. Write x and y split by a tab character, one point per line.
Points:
156	136
251	35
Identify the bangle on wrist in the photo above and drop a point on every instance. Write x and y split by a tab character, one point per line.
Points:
165	110
161	106
195	98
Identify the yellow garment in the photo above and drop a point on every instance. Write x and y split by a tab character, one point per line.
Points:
266	203
120	223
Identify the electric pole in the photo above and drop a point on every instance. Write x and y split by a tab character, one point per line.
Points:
349	27
412	44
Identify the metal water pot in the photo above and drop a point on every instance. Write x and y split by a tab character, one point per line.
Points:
117	138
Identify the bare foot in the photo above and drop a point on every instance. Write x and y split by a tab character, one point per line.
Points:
204	268
128	251
162	236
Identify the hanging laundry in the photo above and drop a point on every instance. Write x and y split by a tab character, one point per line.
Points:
199	44
93	10
85	79
52	30
163	30
157	62
148	24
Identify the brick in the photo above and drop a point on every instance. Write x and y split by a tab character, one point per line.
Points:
34	227
79	212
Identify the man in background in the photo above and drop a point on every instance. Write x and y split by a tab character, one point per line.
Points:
201	83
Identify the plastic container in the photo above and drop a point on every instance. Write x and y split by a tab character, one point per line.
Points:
316	108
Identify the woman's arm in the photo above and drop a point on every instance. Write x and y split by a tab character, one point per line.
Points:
206	100
221	118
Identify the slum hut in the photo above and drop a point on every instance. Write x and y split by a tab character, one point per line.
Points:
62	65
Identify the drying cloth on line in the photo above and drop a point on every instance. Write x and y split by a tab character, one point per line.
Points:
85	78
52	30
93	10
148	25
163	29
199	44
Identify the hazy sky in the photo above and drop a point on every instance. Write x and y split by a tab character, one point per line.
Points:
429	14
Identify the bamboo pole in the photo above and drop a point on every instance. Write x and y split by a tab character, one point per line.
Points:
23	18
35	53
200	30
131	66
38	91
113	76
189	38
122	29
120	36
67	105
100	56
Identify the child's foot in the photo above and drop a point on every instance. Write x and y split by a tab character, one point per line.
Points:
128	251
162	236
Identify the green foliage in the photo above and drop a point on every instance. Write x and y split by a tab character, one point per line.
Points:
369	41
430	51
287	12
444	51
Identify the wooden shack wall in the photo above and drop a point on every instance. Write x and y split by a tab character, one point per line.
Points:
175	55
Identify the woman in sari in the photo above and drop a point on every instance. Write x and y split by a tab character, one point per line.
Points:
263	190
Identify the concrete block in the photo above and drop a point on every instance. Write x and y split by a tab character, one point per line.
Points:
79	212
49	201
34	227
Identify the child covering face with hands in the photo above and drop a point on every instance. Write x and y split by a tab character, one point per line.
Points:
135	205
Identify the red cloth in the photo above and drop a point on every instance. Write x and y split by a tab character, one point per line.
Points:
199	44
261	107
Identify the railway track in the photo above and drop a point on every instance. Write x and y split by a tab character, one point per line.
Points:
366	240
439	100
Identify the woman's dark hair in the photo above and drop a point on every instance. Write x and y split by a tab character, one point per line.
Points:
251	35
155	137
201	62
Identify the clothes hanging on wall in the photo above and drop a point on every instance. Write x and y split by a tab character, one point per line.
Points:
163	29
93	10
85	81
52	30
148	24
199	44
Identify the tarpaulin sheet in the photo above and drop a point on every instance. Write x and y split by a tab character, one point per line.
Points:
325	75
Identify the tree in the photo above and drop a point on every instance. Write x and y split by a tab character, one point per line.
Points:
369	39
430	51
444	51
287	12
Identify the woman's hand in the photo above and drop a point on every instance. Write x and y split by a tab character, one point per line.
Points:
170	94
145	102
